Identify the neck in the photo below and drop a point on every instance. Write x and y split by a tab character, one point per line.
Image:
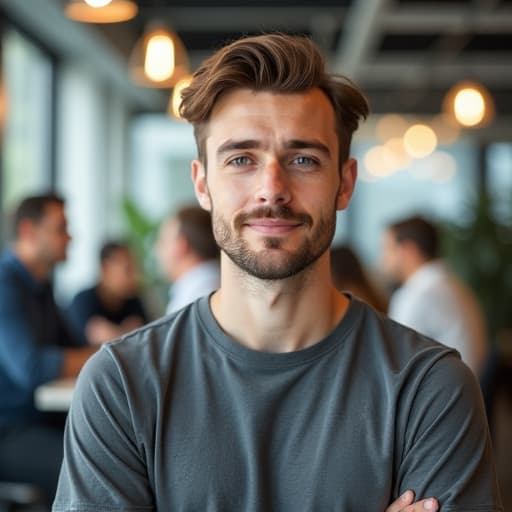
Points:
278	316
40	270
413	266
109	299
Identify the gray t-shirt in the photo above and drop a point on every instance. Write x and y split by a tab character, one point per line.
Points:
179	417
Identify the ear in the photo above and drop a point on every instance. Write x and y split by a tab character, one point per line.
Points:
26	229
348	183
200	185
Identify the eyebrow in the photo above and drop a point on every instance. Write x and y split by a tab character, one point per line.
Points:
231	145
307	144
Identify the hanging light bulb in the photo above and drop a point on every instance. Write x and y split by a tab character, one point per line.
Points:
97	3
158	59
469	104
101	11
469	107
175	100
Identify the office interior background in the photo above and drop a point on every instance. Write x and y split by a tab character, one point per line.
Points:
74	118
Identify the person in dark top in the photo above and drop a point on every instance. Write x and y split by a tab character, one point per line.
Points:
348	274
110	308
36	345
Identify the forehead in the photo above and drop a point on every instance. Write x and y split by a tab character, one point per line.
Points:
244	113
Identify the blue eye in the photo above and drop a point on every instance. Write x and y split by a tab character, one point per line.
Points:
304	161
240	161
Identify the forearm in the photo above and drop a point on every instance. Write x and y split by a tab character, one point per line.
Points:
74	359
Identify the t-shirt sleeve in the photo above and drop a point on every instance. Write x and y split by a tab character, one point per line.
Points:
104	465
446	450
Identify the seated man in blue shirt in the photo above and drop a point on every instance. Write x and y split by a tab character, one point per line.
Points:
35	344
111	307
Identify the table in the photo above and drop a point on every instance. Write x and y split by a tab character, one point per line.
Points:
55	395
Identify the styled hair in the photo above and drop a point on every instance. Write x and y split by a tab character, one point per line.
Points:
276	63
420	232
33	208
195	225
110	247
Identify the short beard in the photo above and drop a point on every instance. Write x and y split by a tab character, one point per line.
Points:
261	264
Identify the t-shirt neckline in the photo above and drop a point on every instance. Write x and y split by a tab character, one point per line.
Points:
335	339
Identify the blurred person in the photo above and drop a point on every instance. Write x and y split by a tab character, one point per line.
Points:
348	274
35	343
111	307
277	392
188	256
429	297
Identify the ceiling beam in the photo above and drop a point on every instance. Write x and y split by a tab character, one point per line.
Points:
240	19
425	19
359	37
387	71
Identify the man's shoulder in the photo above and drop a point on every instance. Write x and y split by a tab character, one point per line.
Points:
165	333
8	266
14	279
388	341
86	295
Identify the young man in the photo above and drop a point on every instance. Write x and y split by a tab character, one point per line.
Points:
188	255
35	343
430	298
277	393
111	307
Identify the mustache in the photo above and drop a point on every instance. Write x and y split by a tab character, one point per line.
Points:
275	212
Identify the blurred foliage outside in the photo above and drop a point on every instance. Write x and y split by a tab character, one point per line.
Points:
481	253
141	233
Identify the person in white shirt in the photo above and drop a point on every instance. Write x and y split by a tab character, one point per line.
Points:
188	256
429	297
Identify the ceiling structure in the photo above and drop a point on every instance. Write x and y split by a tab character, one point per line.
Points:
405	54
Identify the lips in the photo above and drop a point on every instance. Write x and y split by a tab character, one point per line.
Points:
273	226
273	220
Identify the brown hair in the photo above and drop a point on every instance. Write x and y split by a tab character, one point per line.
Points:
420	232
277	63
195	224
33	208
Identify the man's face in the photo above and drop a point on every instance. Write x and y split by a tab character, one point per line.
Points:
391	258
273	182
51	235
120	274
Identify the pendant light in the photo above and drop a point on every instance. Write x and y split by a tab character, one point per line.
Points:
470	104
101	11
159	58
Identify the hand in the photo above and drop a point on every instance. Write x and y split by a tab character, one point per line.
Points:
131	323
405	503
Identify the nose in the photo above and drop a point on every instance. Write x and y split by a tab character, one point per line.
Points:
273	187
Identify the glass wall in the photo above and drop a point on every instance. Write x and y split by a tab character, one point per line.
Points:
27	93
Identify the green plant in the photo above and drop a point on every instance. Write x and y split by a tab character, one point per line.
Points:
141	232
480	251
